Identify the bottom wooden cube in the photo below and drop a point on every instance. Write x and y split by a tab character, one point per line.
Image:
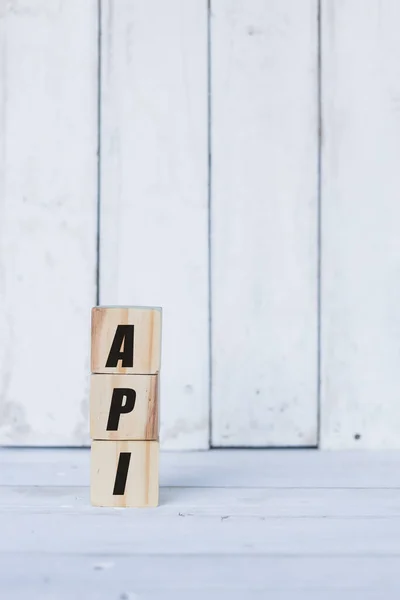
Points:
124	473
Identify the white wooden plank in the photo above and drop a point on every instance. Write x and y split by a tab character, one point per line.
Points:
224	577
223	503
91	590
133	532
360	216
264	222
154	216
48	135
218	468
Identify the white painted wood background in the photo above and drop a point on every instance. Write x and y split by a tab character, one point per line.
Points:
154	217
360	224
211	183
264	185
48	207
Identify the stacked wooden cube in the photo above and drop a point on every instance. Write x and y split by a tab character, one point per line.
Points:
124	406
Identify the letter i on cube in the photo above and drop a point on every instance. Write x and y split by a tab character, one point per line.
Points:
124	406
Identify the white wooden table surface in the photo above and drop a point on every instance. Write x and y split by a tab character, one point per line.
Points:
232	524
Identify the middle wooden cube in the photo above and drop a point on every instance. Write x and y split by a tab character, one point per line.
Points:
124	407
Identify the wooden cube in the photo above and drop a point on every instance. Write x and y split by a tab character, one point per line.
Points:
124	407
124	474
126	340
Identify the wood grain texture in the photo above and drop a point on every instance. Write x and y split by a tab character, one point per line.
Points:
264	222
142	423
141	489
154	200
360	225
146	339
48	208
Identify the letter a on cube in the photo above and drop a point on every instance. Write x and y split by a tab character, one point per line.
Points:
126	340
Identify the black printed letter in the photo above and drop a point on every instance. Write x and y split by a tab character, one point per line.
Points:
117	407
123	335
122	474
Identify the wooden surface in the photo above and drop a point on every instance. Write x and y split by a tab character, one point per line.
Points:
154	217
360	216
140	423
146	355
132	467
264	222
48	214
230	525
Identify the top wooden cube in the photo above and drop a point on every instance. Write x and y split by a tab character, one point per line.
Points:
126	340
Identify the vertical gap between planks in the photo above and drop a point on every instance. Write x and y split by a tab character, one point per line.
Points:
98	151
319	220
209	192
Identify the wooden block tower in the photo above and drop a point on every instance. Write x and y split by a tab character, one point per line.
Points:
124	405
